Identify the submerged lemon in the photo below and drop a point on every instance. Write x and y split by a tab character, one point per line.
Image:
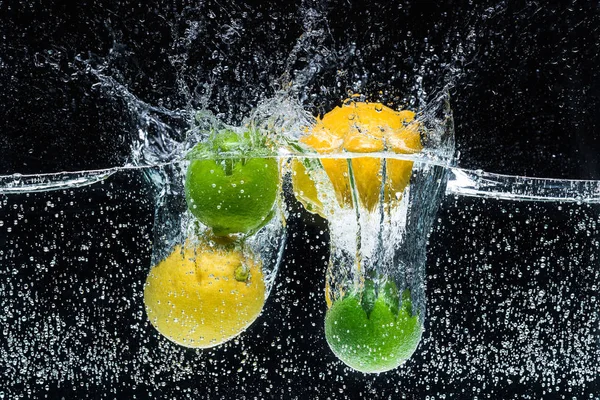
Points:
372	334
305	189
359	127
203	296
230	185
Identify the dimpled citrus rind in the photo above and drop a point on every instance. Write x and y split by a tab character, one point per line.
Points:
373	344
235	201
194	299
305	190
359	127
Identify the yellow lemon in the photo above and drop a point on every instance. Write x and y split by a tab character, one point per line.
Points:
305	189
359	127
202	296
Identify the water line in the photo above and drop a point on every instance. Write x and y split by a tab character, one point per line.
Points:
477	183
462	182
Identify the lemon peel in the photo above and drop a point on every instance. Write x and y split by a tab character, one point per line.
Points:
360	128
203	295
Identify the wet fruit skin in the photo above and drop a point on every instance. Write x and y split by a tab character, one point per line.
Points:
305	189
202	296
360	128
375	341
232	195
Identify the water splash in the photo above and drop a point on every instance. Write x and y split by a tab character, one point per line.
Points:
461	181
322	72
17	183
478	183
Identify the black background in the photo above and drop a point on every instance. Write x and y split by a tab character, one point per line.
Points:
526	91
525	99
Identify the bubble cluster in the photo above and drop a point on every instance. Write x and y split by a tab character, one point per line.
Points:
102	103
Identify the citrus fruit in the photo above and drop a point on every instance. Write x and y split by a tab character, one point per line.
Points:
370	332
361	128
230	185
201	296
305	189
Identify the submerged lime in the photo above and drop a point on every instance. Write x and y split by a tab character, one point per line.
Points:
230	185
371	333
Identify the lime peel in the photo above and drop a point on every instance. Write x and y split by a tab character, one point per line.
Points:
371	334
230	185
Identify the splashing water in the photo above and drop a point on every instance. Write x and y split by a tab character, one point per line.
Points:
505	295
386	247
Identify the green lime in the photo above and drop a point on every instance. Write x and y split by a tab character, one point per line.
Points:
370	332
230	185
